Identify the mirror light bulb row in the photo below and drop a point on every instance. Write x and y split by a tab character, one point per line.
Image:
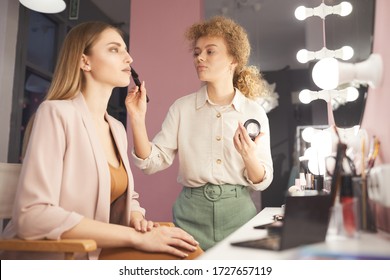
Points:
344	53
343	96
342	9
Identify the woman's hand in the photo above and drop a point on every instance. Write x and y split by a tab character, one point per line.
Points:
139	223
136	101
136	108
247	149
243	143
171	240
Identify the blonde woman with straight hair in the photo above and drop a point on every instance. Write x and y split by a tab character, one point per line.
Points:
219	163
76	180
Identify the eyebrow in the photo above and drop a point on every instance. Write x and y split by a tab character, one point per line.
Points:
207	46
117	44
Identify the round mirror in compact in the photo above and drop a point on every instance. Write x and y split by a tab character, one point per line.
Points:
253	127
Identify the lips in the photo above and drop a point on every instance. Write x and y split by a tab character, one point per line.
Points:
127	70
201	68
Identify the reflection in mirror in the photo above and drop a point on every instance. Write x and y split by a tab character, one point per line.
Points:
276	36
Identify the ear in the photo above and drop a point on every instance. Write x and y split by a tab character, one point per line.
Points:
84	63
233	66
233	62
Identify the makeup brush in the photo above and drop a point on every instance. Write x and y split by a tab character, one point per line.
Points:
134	75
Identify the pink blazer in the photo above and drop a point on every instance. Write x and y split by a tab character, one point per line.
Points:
65	174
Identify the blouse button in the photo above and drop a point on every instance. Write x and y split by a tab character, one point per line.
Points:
218	138
219	161
218	115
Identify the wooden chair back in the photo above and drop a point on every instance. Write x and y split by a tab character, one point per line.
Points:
9	176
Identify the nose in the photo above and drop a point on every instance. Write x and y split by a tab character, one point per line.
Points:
128	58
199	58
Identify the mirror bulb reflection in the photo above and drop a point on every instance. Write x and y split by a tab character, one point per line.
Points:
329	73
319	150
325	73
342	96
307	134
344	53
343	9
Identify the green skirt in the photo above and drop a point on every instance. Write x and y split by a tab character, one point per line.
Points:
212	212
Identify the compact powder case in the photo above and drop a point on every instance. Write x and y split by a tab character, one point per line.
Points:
253	127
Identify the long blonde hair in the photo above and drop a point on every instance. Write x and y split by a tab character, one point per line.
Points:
247	79
68	78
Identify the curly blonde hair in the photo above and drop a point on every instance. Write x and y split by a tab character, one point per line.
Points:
247	79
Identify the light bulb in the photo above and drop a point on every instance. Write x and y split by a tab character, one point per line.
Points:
305	96
345	8
309	152
322	147
300	13
326	74
347	53
352	94
307	134
303	56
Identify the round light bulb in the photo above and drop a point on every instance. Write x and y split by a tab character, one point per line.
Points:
316	166
352	94
300	13
347	52
308	153
307	134
322	143
346	8
322	147
303	56
326	73
305	96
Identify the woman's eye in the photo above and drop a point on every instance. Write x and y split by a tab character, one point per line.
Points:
210	51
195	54
115	50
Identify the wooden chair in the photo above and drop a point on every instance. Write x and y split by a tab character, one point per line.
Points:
9	175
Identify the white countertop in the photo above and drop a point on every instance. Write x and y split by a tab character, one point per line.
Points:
366	246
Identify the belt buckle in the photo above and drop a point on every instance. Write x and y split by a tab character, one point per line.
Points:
212	192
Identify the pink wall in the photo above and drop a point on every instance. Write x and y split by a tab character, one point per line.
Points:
377	112
162	58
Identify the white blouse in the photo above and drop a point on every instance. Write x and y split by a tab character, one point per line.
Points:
201	133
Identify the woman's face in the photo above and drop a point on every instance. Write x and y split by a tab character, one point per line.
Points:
109	60
212	61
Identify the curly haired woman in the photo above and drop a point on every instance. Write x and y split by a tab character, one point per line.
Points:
219	162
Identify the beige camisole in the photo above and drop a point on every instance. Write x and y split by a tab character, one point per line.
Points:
119	180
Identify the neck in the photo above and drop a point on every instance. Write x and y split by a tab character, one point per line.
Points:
97	102
220	94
